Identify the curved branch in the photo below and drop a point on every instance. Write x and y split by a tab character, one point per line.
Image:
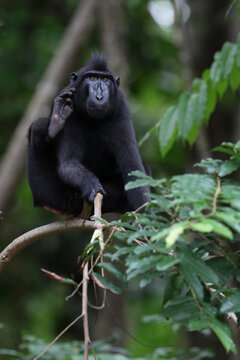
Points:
30	237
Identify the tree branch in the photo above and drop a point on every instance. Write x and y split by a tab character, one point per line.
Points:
30	237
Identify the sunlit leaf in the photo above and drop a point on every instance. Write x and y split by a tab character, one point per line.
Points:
174	234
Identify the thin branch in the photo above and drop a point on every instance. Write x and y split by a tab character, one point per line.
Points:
85	310
97	213
58	337
96	225
76	290
30	237
216	195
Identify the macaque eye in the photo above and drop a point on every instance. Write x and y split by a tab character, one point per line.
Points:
92	78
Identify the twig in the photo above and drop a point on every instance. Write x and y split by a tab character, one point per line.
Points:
85	311
140	207
30	237
215	198
97	213
95	225
76	290
57	337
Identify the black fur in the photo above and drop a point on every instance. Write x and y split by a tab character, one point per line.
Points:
87	145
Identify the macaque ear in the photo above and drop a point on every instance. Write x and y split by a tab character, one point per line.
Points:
73	77
118	81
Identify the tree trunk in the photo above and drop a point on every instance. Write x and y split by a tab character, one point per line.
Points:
113	38
75	38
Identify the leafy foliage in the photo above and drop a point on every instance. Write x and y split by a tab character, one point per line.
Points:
185	238
194	109
32	346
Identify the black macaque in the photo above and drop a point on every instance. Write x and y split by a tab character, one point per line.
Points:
87	146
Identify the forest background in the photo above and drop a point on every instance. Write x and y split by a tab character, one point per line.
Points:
158	49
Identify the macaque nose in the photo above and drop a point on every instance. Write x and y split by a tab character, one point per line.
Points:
99	95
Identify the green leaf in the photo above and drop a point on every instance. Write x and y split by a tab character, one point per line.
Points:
136	265
230	7
224	265
189	117
166	262
238	51
168	130
192	280
229	217
184	125
136	184
171	233
140	174
201	227
147	278
120	252
226	150
144	249
237	145
216	68
174	233
224	334
192	136
230	194
218	228
147	181
221	87
197	265
106	284
155	318
198	324
148	134
228	167
180	310
200	103
228	56
140	234
221	330
193	188
212	166
211	98
235	78
231	304
113	270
